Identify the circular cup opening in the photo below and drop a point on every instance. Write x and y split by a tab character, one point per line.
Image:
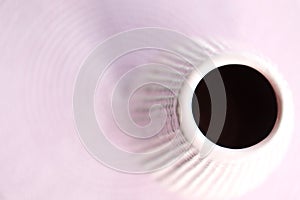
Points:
252	108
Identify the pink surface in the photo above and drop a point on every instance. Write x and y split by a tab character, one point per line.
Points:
42	46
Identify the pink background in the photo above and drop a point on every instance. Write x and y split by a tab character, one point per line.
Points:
42	46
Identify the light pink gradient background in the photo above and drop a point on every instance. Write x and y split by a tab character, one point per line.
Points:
42	46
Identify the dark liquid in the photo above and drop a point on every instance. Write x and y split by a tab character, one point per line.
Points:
251	106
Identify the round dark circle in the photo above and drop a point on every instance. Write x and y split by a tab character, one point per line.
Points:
251	111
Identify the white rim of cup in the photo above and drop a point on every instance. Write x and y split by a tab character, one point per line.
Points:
281	129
